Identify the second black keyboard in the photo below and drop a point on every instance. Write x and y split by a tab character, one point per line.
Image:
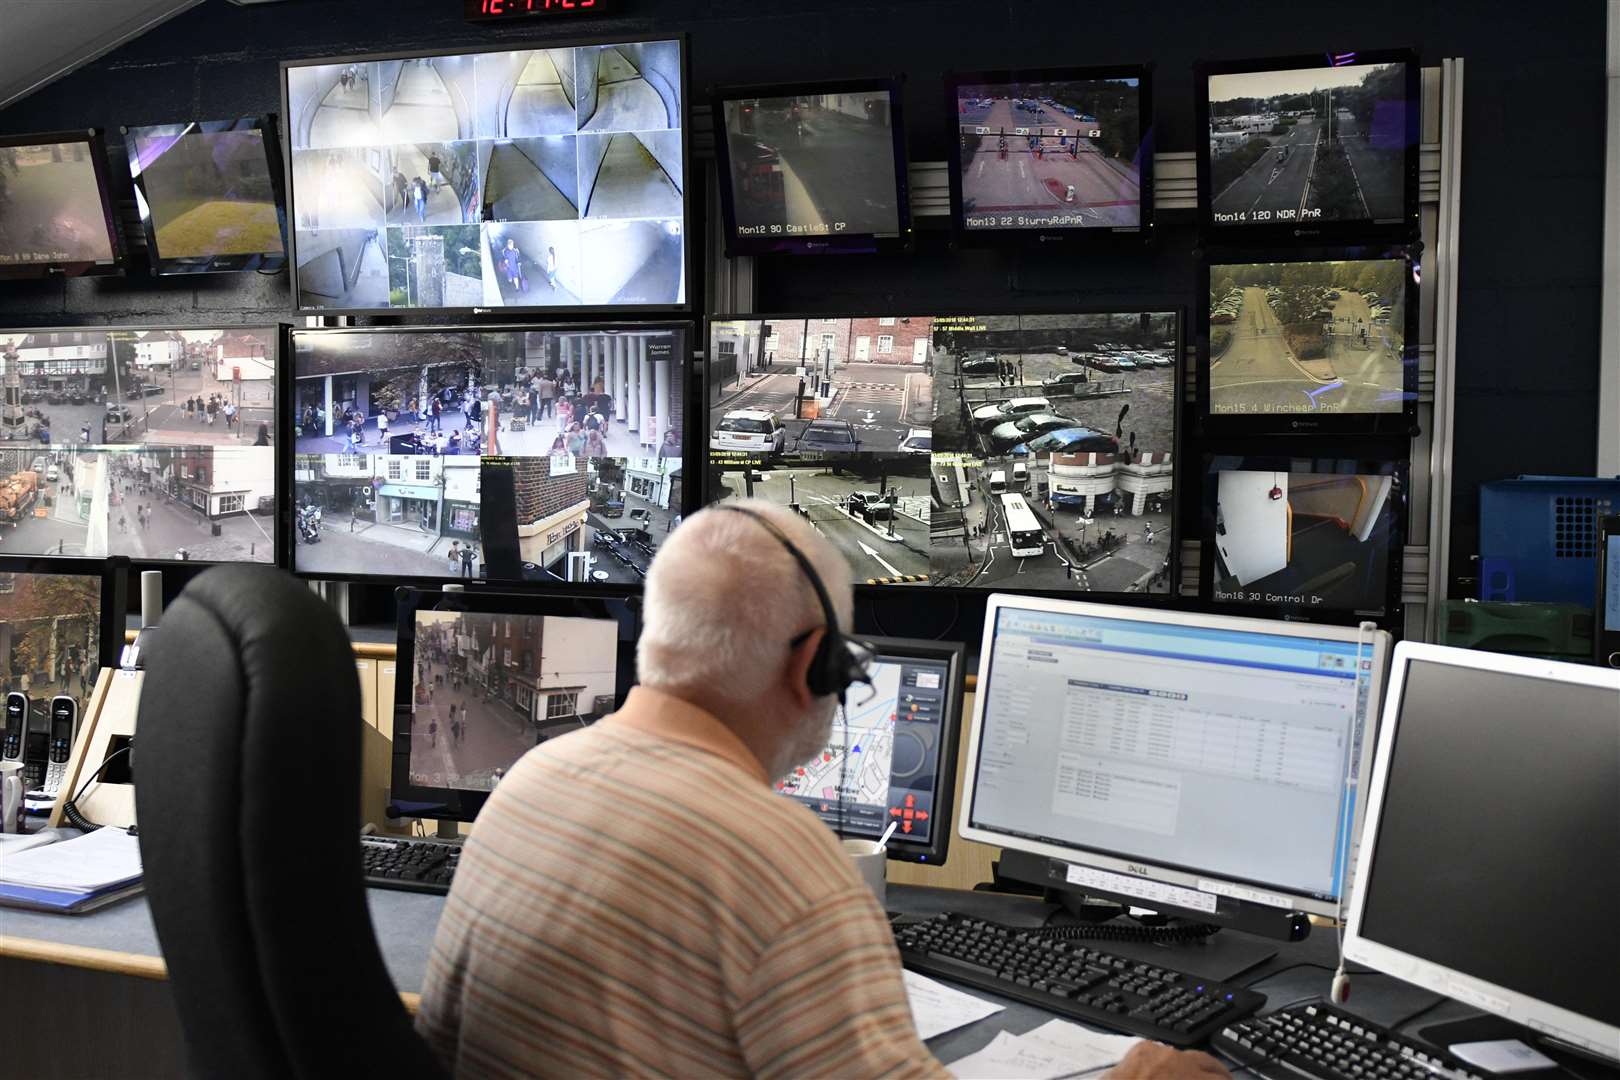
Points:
396	862
1074	980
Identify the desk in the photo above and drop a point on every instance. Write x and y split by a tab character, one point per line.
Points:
122	1021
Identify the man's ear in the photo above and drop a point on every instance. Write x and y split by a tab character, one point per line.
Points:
797	670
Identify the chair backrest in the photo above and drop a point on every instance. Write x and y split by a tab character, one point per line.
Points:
247	781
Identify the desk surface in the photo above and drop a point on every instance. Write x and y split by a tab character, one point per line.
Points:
121	939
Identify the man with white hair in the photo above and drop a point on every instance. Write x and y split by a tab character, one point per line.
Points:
636	900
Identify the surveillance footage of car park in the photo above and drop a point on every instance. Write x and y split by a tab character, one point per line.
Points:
1028	452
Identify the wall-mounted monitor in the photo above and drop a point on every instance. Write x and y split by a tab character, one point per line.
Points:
1003	452
56	211
209	195
1313	148
1309	345
1052	154
813	168
539	454
499	179
155	443
1312	537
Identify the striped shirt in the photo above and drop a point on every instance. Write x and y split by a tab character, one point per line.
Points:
636	901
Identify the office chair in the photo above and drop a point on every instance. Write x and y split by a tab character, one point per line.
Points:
247	773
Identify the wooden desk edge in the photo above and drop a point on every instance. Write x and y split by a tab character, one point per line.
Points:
138	965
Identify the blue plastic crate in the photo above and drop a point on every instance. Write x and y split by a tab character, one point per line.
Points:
1539	537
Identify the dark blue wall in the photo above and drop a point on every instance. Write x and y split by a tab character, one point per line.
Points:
1532	169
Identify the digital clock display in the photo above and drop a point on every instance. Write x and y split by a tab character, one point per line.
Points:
490	10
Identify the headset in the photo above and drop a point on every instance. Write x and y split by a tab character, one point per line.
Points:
835	666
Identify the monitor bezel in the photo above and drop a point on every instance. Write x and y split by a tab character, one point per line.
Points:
707	495
1235	892
1109	236
505	313
451	804
954	655
113	573
289	490
1399	422
1328	232
95	140
1593	1036
827	244
264	261
1392	463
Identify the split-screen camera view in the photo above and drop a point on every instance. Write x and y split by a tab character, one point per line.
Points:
1029	452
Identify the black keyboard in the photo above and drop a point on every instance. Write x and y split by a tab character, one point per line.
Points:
1322	1041
1074	980
394	862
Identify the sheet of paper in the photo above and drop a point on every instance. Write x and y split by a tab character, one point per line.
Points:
1502	1055
85	863
14	843
938	1008
1055	1049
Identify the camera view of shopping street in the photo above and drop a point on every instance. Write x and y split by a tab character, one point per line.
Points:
51	208
813	165
487	688
50	637
387	515
1311	145
1308	337
1051	154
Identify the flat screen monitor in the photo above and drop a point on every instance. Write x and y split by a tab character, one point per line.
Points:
209	195
56	210
1054	154
485	677
1303	346
545	453
1496	793
61	622
155	443
1155	753
513	179
891	757
1304	536
1309	148
813	168
1023	452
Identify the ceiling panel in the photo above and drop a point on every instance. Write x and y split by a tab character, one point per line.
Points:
43	39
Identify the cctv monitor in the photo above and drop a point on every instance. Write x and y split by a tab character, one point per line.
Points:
1051	155
56	209
1495	796
209	195
61	622
891	757
1025	452
1309	148
1310	345
813	168
545	454
510	179
1306	537
1148	756
154	443
485	677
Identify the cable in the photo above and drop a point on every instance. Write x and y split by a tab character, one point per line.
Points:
70	808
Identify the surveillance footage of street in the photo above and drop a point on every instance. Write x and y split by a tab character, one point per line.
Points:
51	210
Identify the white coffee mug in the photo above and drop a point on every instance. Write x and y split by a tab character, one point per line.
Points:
12	787
872	864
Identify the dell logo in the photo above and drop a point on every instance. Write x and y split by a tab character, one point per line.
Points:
1141	871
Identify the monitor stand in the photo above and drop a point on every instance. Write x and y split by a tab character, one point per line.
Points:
1489	1028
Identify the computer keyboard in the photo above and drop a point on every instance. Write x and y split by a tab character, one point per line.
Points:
1073	979
1321	1041
395	862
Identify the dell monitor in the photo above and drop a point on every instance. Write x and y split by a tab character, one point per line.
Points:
1052	155
813	168
1149	756
546	454
56	210
485	677
209	195
509	178
891	757
1491	856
